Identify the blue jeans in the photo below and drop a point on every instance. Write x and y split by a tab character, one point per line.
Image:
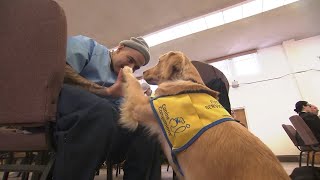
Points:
87	133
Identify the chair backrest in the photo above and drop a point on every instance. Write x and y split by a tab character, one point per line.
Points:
208	72
215	80
291	132
33	39
303	130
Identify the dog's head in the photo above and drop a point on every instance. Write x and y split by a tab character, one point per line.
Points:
172	66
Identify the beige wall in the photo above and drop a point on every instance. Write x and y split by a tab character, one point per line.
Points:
269	103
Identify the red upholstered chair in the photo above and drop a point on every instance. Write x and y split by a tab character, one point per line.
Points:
33	51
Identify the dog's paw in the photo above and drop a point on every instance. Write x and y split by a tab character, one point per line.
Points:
127	70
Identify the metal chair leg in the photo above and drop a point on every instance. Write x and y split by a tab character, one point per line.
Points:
97	172
28	160
109	170
117	169
48	168
174	176
308	158
8	161
300	158
313	155
39	159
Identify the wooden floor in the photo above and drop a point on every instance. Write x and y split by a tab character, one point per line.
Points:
288	166
166	175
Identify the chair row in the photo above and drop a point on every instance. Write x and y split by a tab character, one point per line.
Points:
302	137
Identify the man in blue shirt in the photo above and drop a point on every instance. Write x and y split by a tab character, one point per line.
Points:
87	130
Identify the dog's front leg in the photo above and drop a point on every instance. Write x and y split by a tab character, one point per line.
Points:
136	105
131	86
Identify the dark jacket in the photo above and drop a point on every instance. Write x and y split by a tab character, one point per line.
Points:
313	121
215	80
218	85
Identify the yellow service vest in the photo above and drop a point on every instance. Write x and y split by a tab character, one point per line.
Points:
184	117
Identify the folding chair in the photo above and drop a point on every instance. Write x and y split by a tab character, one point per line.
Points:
215	80
33	51
306	135
292	133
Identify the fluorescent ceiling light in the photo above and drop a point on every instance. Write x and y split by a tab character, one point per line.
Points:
289	1
152	39
252	8
271	4
232	14
197	25
214	20
166	35
181	30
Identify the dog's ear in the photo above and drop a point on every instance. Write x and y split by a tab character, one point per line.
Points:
175	63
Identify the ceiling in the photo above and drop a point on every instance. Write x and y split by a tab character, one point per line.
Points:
110	22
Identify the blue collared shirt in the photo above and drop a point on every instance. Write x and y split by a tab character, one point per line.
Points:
91	60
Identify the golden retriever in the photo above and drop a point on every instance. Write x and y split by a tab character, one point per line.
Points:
226	151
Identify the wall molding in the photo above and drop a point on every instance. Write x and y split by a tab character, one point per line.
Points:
289	158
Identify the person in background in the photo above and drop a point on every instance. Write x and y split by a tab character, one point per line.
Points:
308	113
314	110
87	131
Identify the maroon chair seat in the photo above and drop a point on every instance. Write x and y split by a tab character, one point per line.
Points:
22	142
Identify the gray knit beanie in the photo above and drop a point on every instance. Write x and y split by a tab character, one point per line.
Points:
140	45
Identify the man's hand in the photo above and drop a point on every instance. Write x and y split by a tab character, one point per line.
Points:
116	89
